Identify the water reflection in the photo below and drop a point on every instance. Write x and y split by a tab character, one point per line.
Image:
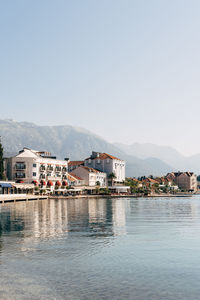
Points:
100	249
53	218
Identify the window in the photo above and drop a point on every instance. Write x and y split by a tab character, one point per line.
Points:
34	165
34	174
20	166
20	175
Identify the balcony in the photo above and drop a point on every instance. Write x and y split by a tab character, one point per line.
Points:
42	176
20	166
58	169
19	176
50	178
64	170
42	168
49	168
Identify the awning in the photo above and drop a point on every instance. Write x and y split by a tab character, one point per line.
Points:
5	185
90	188
118	187
23	186
73	190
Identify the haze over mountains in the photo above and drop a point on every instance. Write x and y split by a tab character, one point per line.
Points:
165	153
78	143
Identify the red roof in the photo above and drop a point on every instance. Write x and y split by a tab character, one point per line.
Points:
75	176
76	163
71	178
150	180
104	156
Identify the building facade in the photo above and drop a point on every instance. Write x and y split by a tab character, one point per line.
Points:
108	164
91	177
75	180
40	168
185	180
72	165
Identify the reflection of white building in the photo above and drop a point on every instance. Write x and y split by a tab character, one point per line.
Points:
119	216
37	167
97	210
53	222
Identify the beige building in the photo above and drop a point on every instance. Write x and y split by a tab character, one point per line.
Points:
185	180
40	168
74	164
75	180
91	176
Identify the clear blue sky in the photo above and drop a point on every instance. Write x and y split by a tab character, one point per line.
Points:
126	70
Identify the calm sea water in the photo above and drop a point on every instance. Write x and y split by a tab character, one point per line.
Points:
100	249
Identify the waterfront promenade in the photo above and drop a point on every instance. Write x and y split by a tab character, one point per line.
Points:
27	197
21	197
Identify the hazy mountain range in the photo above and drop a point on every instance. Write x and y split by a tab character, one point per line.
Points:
78	143
166	154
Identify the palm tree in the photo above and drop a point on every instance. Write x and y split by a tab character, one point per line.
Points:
112	176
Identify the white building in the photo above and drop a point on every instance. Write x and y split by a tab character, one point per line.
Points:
40	168
108	164
91	176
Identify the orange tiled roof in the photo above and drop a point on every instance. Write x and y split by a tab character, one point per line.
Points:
75	176
150	180
75	162
104	156
71	178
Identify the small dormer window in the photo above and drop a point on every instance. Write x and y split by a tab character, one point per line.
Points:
89	161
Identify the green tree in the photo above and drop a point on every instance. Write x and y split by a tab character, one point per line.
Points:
111	177
1	162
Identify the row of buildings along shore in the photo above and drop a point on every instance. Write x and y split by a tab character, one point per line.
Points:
39	172
171	183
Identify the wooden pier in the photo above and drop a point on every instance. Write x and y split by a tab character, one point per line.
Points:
21	197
